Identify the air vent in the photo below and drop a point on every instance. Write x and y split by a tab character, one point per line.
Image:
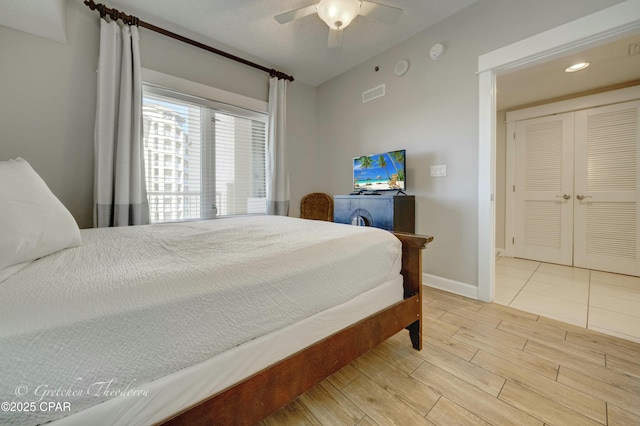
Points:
372	94
634	49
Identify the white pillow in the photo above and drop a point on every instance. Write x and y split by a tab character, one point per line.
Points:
33	222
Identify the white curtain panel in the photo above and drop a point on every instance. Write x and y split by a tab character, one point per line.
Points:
120	196
277	169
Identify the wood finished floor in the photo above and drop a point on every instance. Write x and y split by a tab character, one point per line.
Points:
482	363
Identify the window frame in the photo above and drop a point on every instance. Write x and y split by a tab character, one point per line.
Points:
155	83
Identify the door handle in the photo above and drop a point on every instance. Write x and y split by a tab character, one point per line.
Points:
565	196
582	197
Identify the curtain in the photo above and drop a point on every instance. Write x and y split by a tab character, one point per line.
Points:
277	171
120	196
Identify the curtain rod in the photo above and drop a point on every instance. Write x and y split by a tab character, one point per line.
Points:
115	14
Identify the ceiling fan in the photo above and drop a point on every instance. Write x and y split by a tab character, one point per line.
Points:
337	14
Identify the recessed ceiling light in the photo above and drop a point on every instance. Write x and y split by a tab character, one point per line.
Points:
577	67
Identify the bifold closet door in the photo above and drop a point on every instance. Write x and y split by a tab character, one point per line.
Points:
543	192
607	188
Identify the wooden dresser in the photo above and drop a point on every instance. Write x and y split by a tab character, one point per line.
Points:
390	212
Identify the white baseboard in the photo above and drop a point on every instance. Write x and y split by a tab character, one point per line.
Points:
452	286
500	252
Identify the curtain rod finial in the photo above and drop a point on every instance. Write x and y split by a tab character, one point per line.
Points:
100	7
280	75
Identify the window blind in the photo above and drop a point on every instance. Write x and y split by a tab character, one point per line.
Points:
203	159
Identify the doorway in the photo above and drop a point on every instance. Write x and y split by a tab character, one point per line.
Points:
613	22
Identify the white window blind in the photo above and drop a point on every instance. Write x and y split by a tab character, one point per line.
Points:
203	159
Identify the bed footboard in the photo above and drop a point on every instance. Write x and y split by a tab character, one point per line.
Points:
263	393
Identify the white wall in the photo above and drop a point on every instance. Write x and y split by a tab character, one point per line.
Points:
432	111
47	108
47	103
301	147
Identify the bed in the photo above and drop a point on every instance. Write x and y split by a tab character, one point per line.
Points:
192	323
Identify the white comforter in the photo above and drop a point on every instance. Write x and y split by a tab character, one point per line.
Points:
134	304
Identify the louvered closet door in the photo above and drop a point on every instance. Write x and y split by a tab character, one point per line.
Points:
544	189
607	219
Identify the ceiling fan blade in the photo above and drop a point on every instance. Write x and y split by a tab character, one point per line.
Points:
335	38
289	16
380	12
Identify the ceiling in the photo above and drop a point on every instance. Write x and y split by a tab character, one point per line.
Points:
610	64
247	28
298	48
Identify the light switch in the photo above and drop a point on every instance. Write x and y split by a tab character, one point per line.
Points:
438	170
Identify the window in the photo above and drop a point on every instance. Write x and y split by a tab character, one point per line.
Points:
214	157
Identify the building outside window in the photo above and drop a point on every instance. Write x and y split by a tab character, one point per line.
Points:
211	162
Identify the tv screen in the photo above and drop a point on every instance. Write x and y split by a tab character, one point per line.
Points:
380	172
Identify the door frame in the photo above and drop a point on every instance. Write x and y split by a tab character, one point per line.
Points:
570	105
597	28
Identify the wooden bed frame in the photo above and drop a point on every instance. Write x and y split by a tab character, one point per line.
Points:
256	397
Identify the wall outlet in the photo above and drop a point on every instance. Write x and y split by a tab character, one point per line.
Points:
438	170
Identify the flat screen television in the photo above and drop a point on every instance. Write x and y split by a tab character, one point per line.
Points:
380	172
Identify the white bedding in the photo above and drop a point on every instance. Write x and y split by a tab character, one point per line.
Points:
135	304
151	403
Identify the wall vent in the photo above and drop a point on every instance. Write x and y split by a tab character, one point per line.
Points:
634	49
372	94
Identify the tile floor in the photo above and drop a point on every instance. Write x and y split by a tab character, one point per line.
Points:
600	301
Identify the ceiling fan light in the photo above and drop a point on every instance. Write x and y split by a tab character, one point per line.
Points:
337	14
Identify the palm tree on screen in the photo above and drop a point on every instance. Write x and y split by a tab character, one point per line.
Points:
397	157
365	163
383	163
